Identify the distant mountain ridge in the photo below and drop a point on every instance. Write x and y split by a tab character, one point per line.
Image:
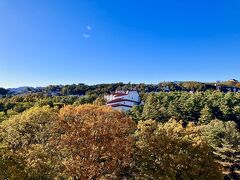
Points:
20	89
24	89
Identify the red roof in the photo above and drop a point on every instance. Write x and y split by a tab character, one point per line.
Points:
117	105
121	100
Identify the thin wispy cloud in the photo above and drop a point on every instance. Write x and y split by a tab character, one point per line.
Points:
87	32
86	36
89	28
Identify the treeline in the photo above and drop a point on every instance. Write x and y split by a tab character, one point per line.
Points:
10	106
3	91
100	89
96	142
58	96
83	89
199	107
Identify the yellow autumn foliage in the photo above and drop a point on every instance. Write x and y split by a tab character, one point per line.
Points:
84	142
94	141
97	142
171	151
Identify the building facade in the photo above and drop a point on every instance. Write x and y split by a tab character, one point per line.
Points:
122	100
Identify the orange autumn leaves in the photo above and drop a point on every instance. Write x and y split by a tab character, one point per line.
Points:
96	142
85	142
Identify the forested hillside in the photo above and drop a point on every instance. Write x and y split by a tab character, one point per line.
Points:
100	89
172	135
199	107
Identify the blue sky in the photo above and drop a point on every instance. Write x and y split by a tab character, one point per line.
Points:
46	42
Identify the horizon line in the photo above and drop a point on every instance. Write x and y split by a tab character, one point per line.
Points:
92	84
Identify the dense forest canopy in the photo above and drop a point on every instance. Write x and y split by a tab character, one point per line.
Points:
199	107
185	131
83	142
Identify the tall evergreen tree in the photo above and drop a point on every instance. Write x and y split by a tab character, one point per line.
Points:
150	110
224	138
228	156
206	115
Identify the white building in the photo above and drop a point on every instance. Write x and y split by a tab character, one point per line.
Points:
123	101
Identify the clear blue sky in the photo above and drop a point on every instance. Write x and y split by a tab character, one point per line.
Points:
95	41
